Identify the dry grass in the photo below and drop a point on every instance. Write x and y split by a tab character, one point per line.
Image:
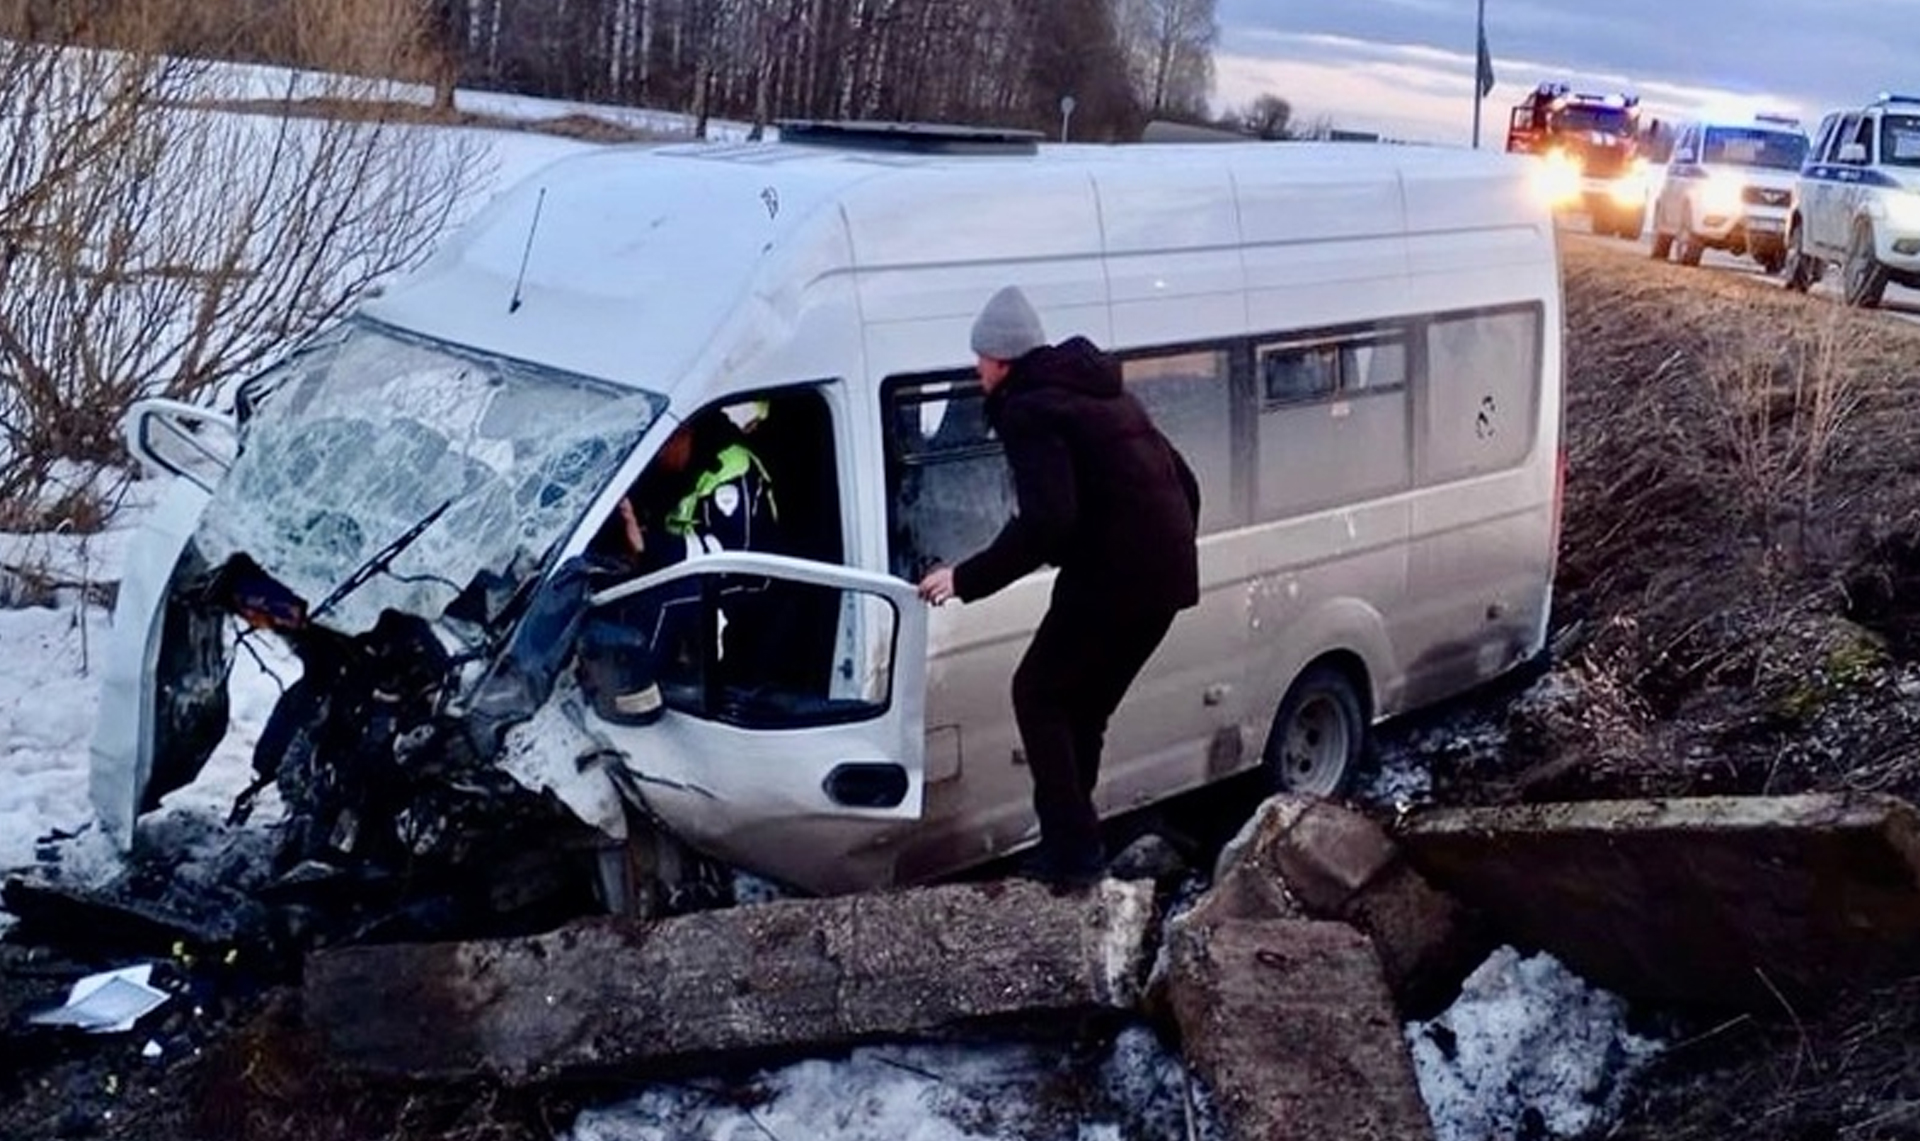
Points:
1742	543
1739	457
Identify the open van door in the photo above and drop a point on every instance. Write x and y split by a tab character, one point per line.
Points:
761	699
163	697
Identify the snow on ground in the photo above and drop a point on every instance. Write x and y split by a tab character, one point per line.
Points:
925	1093
47	702
1527	1041
1527	1050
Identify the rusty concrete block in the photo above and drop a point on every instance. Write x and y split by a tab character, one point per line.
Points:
1428	942
1302	857
1743	902
1290	1026
612	996
1321	851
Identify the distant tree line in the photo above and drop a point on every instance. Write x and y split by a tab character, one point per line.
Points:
1002	62
1006	62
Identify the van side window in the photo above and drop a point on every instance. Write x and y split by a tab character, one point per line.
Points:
951	488
1332	422
1846	132
1482	392
1299	374
1189	394
1864	136
1823	139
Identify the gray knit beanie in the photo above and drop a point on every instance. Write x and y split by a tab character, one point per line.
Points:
1008	328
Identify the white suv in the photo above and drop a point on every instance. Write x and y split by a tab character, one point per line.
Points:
1857	201
1728	187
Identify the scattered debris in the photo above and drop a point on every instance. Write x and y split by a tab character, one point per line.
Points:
110	1002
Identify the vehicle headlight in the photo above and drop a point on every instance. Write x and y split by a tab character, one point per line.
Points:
1721	194
1556	181
1903	210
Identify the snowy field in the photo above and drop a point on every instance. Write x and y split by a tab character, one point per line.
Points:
1527	1051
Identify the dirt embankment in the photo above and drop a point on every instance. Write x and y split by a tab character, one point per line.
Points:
1739	581
1739	587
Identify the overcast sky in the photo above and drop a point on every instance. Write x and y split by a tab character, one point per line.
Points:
1405	67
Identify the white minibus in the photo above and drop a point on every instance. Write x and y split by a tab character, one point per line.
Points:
1356	347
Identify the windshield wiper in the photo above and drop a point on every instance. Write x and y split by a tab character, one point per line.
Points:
378	562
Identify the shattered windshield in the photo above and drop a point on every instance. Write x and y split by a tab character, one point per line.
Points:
351	443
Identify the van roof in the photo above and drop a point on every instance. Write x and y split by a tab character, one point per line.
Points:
624	264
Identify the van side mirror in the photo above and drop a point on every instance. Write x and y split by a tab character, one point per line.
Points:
1853	153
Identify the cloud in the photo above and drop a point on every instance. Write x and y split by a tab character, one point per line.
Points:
1423	92
1679	55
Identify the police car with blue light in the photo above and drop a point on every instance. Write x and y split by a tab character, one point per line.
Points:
1729	186
1857	201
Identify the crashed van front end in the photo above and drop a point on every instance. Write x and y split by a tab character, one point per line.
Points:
391	511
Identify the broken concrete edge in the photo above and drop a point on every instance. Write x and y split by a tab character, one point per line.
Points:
1307	857
1323	852
1289	1029
1733	903
788	979
1831	811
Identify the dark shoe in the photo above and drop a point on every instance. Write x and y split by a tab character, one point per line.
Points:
1062	876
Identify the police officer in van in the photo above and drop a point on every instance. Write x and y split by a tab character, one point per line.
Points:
1103	496
705	492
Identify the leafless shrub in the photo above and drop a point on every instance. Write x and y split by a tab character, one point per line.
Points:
1782	401
149	248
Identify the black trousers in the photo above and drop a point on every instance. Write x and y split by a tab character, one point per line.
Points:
1065	690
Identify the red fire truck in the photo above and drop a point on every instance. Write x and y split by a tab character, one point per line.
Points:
1591	145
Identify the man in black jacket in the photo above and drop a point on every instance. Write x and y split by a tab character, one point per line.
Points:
1105	498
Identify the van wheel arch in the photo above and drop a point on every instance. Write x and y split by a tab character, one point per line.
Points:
1318	739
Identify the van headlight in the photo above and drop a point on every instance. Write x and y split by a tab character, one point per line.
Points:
1720	196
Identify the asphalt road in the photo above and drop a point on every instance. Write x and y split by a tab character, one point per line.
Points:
1899	301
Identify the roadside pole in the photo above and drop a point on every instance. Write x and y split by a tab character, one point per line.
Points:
1479	68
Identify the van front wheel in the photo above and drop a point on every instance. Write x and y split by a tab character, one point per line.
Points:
1318	736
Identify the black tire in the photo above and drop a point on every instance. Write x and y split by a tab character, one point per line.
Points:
1631	223
1862	278
1662	245
1802	270
1771	262
1687	247
1319	735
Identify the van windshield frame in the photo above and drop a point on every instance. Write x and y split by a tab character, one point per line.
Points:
368	429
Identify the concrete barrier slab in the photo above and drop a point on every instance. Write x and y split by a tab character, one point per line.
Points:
1745	902
622	997
1291	1027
